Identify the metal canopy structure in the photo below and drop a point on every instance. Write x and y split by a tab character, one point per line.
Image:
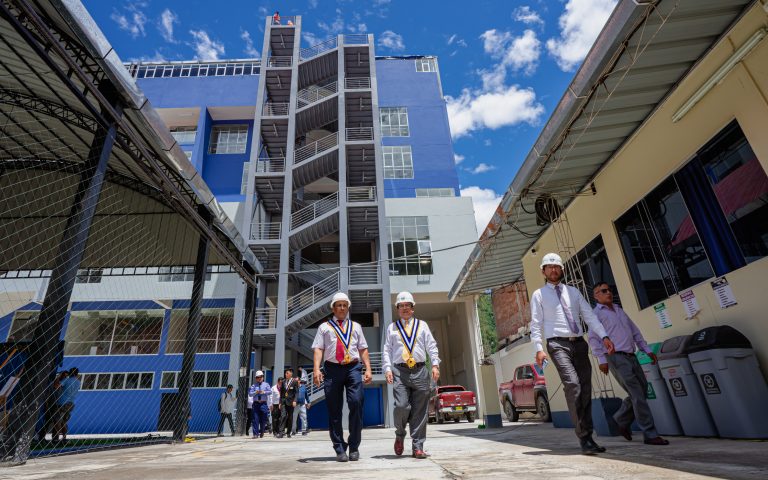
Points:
645	49
54	65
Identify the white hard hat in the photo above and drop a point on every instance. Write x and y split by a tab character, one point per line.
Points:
341	297
259	373
551	259
404	297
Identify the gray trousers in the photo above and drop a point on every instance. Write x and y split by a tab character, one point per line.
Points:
630	376
571	360
411	392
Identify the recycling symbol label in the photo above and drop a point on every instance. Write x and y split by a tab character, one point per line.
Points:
650	394
678	388
710	384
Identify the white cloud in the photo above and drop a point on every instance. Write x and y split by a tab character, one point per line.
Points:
249	50
206	49
457	159
165	25
312	3
514	53
482	168
456	40
580	24
391	40
526	15
132	21
157	57
310	38
485	201
506	106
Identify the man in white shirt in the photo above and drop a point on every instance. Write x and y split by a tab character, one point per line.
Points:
406	345
276	406
555	312
340	346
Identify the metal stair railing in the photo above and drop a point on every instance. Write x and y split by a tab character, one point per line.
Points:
308	151
361	194
272	109
364	274
311	212
314	94
309	297
356	39
279	61
359	133
270	165
377	365
310	271
265	317
266	231
308	53
357	83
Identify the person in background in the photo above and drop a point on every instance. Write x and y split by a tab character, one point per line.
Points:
249	414
261	393
288	393
70	386
303	405
276	18
623	364
276	406
555	312
226	409
51	407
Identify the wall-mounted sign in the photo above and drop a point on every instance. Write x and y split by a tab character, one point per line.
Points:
723	292
690	304
663	315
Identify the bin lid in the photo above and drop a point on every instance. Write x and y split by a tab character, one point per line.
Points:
643	357
674	347
722	336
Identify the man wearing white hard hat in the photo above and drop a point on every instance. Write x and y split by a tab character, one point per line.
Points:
555	312
261	393
406	345
340	347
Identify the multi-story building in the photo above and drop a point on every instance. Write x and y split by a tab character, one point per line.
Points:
306	150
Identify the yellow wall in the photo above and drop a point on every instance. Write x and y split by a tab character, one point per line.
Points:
657	150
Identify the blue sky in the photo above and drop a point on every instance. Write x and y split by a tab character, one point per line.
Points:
504	64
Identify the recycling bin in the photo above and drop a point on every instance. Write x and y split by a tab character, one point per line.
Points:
664	414
730	377
684	390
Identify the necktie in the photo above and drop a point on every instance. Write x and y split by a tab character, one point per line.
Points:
339	346
567	311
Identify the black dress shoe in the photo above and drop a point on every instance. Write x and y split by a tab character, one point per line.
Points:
354	456
595	445
342	457
589	447
625	432
656	441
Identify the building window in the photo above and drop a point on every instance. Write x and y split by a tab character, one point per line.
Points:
394	121
228	139
117	381
110	332
181	273
410	250
594	266
398	162
23	326
244	178
89	275
200	379
184	135
435	192
426	65
215	330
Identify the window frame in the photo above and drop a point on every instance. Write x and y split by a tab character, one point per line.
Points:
392	129
398	152
232	148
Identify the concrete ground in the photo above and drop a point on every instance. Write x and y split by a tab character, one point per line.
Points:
526	450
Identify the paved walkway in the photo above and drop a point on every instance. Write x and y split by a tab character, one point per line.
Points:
525	450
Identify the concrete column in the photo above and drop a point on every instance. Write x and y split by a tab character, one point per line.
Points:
343	212
244	370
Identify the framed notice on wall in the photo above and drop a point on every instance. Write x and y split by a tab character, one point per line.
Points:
723	292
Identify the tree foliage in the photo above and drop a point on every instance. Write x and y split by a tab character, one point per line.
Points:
487	323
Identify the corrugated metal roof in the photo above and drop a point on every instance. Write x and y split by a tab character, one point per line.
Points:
643	52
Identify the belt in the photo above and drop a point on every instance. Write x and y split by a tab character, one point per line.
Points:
353	362
625	353
405	365
568	339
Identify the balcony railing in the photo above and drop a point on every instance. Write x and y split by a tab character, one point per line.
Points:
314	94
315	50
270	165
315	148
359	133
313	294
361	194
364	274
266	231
377	365
272	109
357	83
356	39
279	61
265	318
284	21
313	211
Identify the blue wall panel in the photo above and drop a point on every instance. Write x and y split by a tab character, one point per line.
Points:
235	91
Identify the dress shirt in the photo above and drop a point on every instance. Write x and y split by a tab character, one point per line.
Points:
325	340
261	392
622	330
275	395
70	386
394	348
548	319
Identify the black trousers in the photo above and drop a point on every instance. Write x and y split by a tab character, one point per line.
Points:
248	420
227	416
286	420
275	419
338	379
571	359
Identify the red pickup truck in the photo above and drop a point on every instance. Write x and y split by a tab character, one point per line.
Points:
526	392
452	401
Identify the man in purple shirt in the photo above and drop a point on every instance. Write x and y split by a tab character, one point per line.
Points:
623	364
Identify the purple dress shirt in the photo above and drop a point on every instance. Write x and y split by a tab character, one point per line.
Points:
620	328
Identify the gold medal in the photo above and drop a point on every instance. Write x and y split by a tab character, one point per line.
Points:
410	362
347	358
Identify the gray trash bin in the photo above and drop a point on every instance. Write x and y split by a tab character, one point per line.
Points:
664	414
730	377
691	408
